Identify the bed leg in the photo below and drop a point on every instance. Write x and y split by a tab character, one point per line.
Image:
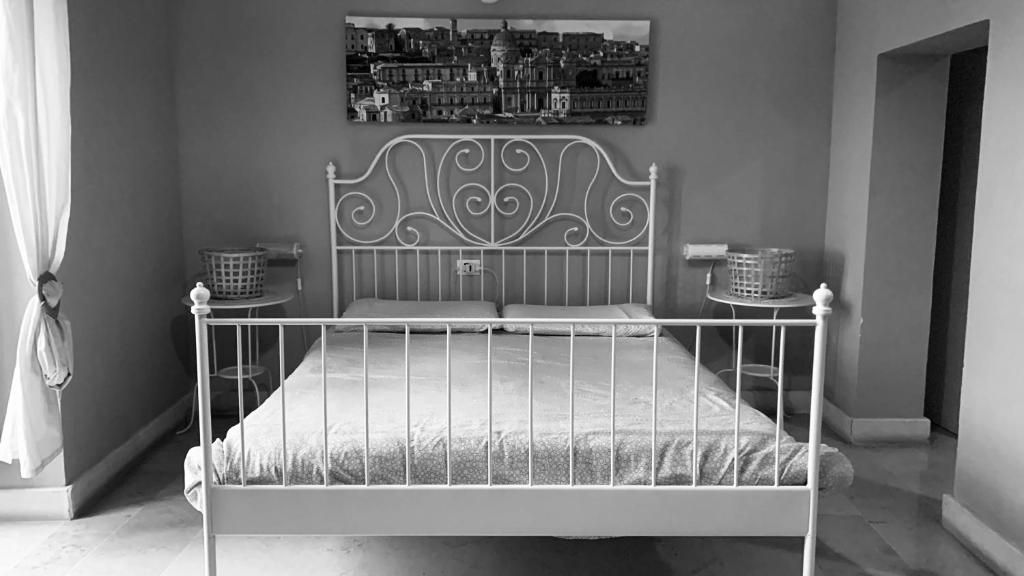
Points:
810	541
822	310
200	309
209	554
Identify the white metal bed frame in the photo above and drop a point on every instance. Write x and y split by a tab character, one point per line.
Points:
450	509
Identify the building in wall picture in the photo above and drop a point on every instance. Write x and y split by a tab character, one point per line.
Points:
497	71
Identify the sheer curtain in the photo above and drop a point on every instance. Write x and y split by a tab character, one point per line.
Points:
35	174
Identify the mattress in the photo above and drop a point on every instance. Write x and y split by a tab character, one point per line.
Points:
303	394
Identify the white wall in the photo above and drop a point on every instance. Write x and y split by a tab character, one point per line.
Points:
990	460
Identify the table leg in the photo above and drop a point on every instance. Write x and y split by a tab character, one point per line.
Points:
733	310
192	414
775	316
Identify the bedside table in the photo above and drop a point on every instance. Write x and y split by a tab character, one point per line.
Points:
249	368
769	371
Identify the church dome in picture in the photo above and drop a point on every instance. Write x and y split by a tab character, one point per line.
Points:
503	46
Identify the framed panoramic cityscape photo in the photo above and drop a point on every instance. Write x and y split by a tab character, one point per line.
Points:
487	71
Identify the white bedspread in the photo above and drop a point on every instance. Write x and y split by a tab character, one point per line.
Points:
387	418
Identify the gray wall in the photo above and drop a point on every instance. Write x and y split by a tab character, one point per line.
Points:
123	264
989	462
739	124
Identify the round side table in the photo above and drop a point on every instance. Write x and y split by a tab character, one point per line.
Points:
769	371
247	367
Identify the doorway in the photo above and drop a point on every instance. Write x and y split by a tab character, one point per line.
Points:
906	247
951	276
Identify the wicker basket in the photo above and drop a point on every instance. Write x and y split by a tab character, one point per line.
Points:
235	273
760	273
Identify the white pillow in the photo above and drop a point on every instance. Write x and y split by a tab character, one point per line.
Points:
374	308
612	312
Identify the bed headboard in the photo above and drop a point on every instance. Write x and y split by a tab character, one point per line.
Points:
550	218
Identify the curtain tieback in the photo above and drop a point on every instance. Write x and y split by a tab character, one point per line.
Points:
50	292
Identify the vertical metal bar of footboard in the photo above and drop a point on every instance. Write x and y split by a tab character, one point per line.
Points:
503	276
323	383
398	283
200	309
284	431
654	408
483	266
739	386
448	398
461	283
529	397
490	404
572	405
822	310
439	275
366	405
241	396
779	408
696	408
611	442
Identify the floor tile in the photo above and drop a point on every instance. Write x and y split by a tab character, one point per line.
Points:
18	539
148	541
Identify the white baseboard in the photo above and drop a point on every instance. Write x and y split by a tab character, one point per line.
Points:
875	430
66	502
34	504
1001	556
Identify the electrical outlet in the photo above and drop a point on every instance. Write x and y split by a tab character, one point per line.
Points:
468	267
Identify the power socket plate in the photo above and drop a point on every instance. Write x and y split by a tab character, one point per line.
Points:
468	267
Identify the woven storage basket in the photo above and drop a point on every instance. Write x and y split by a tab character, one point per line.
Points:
760	273
235	273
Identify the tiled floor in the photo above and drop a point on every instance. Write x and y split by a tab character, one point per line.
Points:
888	523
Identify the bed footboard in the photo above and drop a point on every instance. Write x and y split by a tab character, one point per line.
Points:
614	509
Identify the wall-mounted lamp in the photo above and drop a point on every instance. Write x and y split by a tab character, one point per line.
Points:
489	1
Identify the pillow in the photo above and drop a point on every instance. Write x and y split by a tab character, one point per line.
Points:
374	308
612	312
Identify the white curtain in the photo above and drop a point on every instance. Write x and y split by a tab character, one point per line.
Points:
35	174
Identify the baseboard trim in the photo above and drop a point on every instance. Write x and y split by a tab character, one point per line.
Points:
34	503
999	554
66	502
875	430
92	483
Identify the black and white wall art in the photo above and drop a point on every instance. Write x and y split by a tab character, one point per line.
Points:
487	71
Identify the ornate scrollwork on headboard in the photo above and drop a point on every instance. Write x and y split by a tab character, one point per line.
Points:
474	192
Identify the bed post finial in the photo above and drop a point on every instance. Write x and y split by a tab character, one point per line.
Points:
200	295
332	170
822	300
653	171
